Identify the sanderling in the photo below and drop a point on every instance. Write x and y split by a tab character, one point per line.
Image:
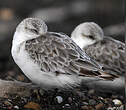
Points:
105	50
50	59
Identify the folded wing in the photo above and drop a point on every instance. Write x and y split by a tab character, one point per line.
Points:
57	53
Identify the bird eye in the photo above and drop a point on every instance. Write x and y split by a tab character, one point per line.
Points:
34	31
91	37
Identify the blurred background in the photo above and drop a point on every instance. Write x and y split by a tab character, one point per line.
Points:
60	16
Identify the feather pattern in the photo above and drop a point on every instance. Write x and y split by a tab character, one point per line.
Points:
110	53
58	54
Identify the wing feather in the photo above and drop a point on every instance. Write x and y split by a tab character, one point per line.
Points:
109	52
60	55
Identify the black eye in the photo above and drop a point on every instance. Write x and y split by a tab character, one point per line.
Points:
34	31
91	37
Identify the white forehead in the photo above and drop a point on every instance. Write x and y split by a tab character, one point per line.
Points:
89	28
32	23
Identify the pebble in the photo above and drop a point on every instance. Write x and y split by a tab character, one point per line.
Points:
70	99
92	102
59	99
64	101
84	103
108	101
117	102
90	108
66	106
32	105
84	107
116	108
16	107
110	108
91	92
99	106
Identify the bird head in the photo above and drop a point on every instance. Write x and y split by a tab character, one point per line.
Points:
87	33
30	28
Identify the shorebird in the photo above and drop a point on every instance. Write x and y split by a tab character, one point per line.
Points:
50	59
105	50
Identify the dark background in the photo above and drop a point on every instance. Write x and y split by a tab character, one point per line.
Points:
60	16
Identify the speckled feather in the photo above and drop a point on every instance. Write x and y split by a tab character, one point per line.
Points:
58	54
110	53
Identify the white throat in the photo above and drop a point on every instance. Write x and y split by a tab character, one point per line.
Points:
19	37
82	41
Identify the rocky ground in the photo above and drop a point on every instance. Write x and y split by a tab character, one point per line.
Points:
77	99
63	100
60	16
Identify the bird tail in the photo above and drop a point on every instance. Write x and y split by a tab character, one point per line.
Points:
107	76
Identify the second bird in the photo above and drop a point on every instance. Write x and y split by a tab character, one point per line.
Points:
105	50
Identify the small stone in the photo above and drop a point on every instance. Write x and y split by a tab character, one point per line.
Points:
70	100
92	102
110	108
114	108
16	107
84	107
107	101
90	108
91	92
32	105
67	105
99	106
84	103
101	98
117	102
59	99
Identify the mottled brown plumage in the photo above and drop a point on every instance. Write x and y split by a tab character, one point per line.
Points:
110	53
57	53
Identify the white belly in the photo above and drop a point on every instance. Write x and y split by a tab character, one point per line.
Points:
33	72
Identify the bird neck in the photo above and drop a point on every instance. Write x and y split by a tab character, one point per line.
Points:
19	37
17	43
